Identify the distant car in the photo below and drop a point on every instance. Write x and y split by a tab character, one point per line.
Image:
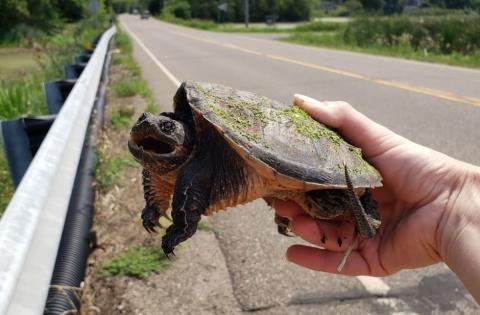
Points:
145	15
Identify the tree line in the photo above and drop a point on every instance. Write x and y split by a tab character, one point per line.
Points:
49	15
42	15
282	10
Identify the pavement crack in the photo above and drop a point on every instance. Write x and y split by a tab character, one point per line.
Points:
260	308
337	297
230	275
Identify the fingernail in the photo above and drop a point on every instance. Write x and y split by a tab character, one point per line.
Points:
299	99
287	256
339	241
324	239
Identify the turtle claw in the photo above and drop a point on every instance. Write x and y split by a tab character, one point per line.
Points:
150	217
285	231
170	256
148	227
283	226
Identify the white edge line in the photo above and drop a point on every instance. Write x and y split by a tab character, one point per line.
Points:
374	286
167	72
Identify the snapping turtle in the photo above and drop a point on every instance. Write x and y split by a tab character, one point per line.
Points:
222	147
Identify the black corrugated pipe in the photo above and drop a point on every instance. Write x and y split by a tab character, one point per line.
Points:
64	295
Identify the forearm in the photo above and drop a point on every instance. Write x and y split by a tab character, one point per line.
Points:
462	253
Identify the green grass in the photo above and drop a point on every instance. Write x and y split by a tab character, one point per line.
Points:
151	107
255	27
129	86
6	185
335	40
227	27
204	225
121	117
319	27
123	43
14	62
24	96
109	170
136	261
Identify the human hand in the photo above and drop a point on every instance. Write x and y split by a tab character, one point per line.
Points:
420	205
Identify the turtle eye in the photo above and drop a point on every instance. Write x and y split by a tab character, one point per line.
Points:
167	127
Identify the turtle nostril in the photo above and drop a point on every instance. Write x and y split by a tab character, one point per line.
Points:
142	118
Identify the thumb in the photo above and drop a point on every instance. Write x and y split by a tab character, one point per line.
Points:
356	128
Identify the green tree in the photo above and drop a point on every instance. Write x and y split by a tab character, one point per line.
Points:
372	5
179	8
11	13
295	10
43	15
155	6
71	10
393	6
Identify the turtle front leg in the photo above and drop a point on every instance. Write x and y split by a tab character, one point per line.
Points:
191	198
155	202
367	226
151	212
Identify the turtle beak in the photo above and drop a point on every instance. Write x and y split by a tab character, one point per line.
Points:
157	139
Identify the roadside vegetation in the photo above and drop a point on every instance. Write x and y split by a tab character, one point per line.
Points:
136	261
36	39
451	39
111	164
441	31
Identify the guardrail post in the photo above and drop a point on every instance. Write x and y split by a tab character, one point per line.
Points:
74	71
21	139
56	92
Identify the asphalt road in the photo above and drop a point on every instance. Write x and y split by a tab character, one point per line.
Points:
437	106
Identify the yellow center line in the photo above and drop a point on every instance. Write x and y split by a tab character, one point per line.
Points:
395	84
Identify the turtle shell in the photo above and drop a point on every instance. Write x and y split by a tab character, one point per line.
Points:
276	139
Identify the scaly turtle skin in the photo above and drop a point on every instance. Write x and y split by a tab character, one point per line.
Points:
222	147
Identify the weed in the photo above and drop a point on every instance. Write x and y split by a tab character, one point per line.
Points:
151	107
335	40
136	261
126	86
132	67
319	27
121	117
123	43
203	225
108	170
440	35
24	96
6	186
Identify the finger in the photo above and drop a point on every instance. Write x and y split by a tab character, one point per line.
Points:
334	236
355	127
327	261
287	209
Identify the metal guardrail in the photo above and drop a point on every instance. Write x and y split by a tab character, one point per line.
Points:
32	225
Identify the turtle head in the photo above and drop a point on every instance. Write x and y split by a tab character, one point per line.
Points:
161	143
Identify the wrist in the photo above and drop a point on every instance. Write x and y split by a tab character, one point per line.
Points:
459	231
